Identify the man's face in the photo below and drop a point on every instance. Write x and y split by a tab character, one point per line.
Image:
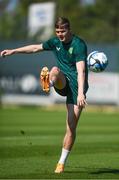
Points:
63	34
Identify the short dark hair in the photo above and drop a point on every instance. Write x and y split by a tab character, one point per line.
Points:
62	22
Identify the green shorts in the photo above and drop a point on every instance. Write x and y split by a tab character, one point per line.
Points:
70	91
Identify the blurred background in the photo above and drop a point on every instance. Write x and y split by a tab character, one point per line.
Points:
24	22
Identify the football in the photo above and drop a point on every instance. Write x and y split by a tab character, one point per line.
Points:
97	61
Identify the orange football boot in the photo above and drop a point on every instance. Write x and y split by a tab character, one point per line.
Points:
44	79
59	168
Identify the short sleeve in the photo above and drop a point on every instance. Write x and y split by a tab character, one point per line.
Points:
48	45
80	51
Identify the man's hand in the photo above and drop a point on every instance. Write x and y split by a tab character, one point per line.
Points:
81	100
7	52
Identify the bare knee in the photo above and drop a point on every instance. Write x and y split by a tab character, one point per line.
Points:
55	70
57	77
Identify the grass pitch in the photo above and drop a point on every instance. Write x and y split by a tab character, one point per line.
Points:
31	141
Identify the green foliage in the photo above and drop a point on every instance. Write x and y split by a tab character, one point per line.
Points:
98	23
104	23
13	26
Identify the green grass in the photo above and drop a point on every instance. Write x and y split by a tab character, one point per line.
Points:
31	140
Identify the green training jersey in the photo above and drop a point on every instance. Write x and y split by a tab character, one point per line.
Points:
67	55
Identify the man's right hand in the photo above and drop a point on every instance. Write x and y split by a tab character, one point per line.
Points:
7	52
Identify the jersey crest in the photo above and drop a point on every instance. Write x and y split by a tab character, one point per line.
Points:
70	50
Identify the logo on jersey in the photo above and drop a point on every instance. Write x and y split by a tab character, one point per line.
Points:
58	48
70	50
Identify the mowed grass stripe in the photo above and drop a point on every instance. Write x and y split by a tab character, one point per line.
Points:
31	139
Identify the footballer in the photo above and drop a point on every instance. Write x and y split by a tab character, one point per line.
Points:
69	78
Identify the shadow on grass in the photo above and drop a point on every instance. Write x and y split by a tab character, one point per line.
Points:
93	170
106	170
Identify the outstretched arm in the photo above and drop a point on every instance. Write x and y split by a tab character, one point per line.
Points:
25	49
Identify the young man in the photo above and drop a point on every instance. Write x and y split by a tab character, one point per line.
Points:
69	78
